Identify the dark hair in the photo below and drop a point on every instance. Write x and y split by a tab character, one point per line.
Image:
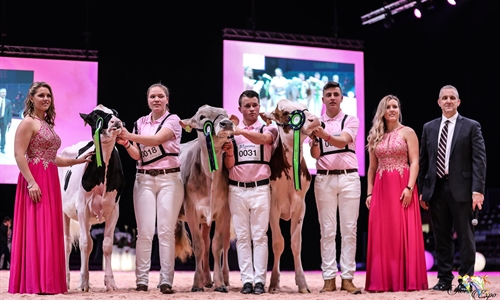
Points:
249	94
6	219
164	88
332	84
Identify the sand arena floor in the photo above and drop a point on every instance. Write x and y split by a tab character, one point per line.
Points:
125	281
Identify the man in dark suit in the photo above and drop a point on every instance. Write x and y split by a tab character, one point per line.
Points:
451	181
5	117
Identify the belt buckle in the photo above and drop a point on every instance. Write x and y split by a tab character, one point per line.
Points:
154	172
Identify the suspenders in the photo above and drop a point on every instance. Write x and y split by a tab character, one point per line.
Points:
345	149
261	161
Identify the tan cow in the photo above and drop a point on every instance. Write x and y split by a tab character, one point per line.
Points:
206	193
289	183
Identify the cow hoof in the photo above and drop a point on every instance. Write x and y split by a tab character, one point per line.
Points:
82	289
197	289
221	289
209	285
274	290
304	291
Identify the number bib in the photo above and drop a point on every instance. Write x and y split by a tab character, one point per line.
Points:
249	153
151	154
327	147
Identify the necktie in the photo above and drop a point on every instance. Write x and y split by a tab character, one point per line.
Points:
442	150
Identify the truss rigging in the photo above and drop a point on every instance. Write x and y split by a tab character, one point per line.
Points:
295	39
40	52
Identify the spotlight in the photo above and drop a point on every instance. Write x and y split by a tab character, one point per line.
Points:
452	2
417	11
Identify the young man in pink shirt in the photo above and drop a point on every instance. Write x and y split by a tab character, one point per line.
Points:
247	158
337	186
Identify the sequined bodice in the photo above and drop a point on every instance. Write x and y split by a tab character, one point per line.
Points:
43	146
392	153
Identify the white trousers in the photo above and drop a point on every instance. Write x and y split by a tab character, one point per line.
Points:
157	199
342	191
250	214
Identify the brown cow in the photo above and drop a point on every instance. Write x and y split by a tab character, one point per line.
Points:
206	193
289	183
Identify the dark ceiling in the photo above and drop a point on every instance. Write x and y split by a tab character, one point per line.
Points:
97	24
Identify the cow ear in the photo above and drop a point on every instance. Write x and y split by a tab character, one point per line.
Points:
234	119
114	112
187	124
84	117
267	117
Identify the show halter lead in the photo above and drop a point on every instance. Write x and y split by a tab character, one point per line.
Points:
212	158
97	142
296	121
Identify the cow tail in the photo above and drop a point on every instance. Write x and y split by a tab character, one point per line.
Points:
183	249
74	232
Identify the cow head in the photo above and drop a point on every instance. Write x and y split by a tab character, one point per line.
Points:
295	124
292	116
214	128
211	120
103	122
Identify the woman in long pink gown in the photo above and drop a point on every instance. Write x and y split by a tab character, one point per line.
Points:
38	258
395	259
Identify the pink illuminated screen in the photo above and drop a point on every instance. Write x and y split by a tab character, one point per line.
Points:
296	73
74	85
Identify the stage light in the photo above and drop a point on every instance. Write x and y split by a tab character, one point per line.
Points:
452	2
394	8
417	11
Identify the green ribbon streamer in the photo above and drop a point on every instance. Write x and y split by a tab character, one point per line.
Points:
97	141
296	121
212	158
296	159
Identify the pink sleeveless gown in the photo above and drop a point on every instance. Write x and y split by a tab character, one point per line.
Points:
38	256
395	254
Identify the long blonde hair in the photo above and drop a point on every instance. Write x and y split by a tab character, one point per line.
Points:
379	128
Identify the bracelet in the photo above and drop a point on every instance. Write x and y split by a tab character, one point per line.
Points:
128	145
30	186
410	188
328	138
369	195
229	155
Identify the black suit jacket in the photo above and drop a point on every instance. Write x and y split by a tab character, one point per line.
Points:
467	164
7	117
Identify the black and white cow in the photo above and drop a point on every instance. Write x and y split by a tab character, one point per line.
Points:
91	191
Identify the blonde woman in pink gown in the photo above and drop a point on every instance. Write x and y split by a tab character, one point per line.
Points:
395	255
38	259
